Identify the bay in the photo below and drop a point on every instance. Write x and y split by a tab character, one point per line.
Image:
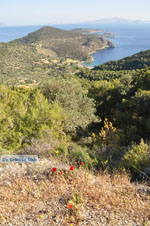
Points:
128	41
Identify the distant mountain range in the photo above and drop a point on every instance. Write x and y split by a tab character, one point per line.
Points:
117	20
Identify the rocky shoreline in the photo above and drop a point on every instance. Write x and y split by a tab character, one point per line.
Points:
81	64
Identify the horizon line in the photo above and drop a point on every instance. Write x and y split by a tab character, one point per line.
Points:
79	22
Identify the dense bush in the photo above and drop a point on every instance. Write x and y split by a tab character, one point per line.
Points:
77	107
24	114
137	158
78	154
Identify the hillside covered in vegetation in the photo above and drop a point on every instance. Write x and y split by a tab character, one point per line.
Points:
136	61
46	51
97	120
63	43
98	109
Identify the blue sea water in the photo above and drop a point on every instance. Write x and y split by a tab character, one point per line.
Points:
10	33
128	40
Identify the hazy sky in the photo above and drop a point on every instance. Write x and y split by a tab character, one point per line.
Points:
35	12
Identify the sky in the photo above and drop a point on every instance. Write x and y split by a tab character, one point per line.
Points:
42	12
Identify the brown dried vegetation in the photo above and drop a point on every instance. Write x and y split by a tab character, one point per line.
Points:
96	199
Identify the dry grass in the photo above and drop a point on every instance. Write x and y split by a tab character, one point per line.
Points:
97	200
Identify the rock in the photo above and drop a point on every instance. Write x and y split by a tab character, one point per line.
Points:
147	171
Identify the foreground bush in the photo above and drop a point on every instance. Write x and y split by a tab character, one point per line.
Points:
26	114
137	159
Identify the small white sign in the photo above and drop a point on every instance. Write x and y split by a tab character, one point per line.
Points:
19	158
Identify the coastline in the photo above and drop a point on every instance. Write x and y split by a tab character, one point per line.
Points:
80	64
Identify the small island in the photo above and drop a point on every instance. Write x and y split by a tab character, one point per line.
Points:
109	34
87	31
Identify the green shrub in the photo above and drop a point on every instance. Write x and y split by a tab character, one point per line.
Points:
108	157
137	158
62	149
78	109
26	114
80	154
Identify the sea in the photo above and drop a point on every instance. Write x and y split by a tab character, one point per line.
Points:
127	38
